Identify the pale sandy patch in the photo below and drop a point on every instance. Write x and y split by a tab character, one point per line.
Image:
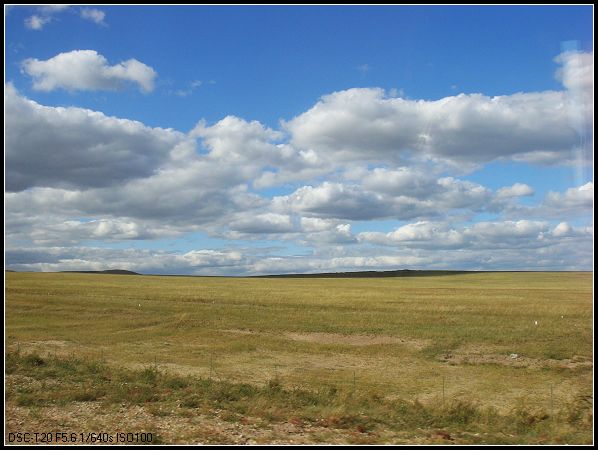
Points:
480	355
342	339
356	339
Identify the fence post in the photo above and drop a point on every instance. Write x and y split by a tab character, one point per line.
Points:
551	404
443	381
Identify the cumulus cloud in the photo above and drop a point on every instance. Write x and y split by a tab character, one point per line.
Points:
54	230
75	147
581	197
87	70
402	194
493	236
421	233
75	176
258	152
235	140
522	231
463	131
367	125
562	229
334	200
516	190
401	181
573	203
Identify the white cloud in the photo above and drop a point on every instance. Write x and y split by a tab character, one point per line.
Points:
94	15
516	190
402	181
562	229
196	262
498	236
75	175
401	194
47	13
235	140
334	200
315	224
87	70
502	232
581	197
36	22
422	234
366	125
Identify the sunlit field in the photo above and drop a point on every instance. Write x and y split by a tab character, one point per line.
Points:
469	358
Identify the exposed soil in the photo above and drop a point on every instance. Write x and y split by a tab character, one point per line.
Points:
513	360
188	427
354	339
346	339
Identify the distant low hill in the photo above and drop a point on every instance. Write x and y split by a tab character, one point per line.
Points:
109	272
371	274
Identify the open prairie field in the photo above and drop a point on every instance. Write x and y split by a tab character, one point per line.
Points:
467	358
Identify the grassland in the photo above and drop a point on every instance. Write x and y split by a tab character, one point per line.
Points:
466	358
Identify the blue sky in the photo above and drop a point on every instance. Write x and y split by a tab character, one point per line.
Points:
298	138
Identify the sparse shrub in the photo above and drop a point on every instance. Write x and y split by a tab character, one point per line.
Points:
360	423
460	412
27	399
274	385
158	411
332	391
192	401
149	375
176	383
87	394
580	410
33	360
527	418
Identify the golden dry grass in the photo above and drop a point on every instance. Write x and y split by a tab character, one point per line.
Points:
424	338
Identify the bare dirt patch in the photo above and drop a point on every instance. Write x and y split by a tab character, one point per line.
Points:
512	360
355	339
49	347
344	339
236	331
